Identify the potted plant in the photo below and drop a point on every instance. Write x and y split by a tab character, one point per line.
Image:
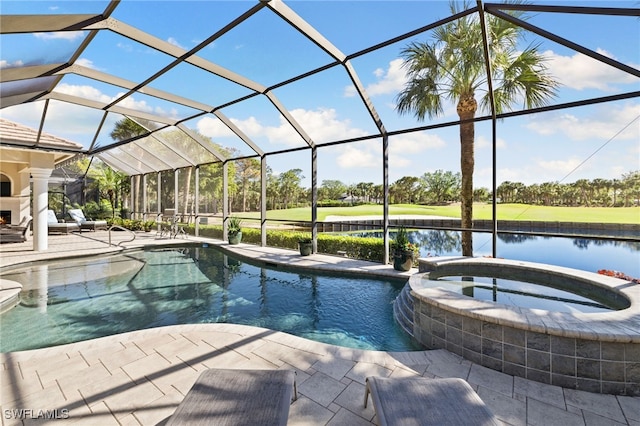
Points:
234	231
404	251
305	244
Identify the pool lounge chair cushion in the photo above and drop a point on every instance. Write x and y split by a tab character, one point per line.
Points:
56	227
78	216
420	401
237	397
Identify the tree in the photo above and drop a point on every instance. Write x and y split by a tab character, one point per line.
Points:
332	189
631	188
247	171
481	195
452	67
441	186
404	189
109	183
289	183
126	129
273	189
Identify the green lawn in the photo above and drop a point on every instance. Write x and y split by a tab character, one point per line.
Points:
480	211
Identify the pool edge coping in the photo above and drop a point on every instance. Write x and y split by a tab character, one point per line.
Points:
618	326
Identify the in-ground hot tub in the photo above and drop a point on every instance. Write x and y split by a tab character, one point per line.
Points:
596	349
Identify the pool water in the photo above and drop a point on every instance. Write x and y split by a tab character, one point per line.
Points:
75	300
519	293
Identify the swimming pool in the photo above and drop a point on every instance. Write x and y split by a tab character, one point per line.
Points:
74	300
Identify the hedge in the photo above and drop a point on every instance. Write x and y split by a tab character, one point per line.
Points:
371	249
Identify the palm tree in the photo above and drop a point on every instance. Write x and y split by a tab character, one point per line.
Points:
126	129
452	67
109	183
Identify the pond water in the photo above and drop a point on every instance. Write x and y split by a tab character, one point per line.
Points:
586	254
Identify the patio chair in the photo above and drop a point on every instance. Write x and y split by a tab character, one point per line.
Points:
420	401
238	397
59	227
86	223
26	221
16	233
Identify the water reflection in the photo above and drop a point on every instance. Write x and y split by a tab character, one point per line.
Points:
588	254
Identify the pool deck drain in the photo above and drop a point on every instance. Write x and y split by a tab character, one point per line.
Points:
140	377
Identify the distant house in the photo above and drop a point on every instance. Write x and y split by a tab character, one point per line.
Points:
350	199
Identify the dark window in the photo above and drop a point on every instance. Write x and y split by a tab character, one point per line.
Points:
5	189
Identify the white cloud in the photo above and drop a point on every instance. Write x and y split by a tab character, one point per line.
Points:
482	142
323	125
389	81
413	143
358	156
60	35
349	92
172	40
213	128
131	103
124	46
558	168
603	124
91	93
83	91
86	63
583	72
368	154
142	106
5	64
284	134
251	126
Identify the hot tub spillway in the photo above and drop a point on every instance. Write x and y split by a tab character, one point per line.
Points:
403	310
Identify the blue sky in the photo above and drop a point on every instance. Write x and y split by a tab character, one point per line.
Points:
587	142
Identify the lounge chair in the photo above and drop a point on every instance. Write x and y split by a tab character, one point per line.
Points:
420	401
238	397
26	221
57	227
16	233
86	223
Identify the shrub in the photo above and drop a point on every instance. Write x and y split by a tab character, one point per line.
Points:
234	225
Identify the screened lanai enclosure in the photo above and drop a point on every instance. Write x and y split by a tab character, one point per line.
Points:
214	108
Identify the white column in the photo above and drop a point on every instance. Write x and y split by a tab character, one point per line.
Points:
40	178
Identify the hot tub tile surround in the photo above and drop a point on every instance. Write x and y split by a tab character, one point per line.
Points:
593	352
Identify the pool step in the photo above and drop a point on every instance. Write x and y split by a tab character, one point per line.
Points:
9	294
403	309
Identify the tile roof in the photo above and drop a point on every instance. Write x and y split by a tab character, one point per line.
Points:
18	134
